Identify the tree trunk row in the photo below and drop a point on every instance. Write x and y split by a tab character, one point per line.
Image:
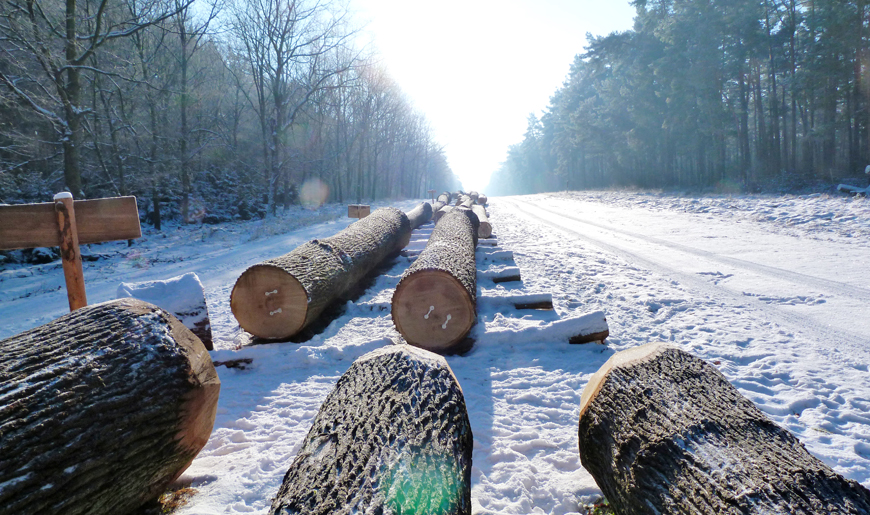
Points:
102	409
664	432
279	297
392	437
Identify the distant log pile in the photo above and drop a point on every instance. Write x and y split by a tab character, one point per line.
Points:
420	215
664	432
392	437
279	297
101	410
433	306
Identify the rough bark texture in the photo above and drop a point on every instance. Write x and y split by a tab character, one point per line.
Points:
101	409
279	297
433	306
393	437
485	229
664	432
420	214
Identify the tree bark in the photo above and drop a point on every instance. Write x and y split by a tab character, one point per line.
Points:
485	229
433	306
392	437
420	214
664	432
102	409
279	297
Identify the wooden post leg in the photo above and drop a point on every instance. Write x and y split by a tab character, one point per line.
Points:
71	256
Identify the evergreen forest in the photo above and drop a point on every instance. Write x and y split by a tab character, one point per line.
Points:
710	95
236	105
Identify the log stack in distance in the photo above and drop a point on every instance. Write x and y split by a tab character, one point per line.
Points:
664	432
279	297
102	409
393	436
420	214
433	306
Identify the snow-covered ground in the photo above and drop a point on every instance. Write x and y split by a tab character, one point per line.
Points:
773	291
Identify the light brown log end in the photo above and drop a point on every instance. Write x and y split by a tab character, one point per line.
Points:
269	302
484	231
422	304
622	359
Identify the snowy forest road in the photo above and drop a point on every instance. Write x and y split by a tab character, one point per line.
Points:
772	278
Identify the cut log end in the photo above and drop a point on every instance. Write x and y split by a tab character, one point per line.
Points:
620	359
269	302
432	310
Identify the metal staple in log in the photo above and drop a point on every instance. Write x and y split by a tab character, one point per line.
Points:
392	437
279	297
102	409
433	306
664	432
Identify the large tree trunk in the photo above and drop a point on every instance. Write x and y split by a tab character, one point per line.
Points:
664	432
420	214
433	306
101	409
392	437
279	297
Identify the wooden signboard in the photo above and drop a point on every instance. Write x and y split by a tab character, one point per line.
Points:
432	194
66	224
358	210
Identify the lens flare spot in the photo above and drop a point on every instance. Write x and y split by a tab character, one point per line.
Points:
313	193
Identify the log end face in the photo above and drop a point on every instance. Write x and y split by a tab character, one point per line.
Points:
432	310
484	231
625	358
269	302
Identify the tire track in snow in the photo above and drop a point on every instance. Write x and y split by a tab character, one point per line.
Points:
819	334
836	287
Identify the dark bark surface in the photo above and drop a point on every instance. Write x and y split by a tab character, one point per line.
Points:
665	432
393	437
324	269
101	409
450	249
420	214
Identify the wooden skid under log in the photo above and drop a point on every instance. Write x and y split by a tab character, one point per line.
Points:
664	432
433	306
392	437
279	297
102	409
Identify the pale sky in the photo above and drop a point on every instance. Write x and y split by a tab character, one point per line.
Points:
477	68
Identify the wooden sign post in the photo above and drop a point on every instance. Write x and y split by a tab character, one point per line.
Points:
432	194
67	223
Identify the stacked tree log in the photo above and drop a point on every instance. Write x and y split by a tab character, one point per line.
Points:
392	437
101	410
664	432
419	215
433	306
484	231
279	297
482	200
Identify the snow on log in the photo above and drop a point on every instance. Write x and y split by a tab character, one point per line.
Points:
279	297
420	215
183	296
485	229
664	432
102	409
586	328
502	274
393	436
433	306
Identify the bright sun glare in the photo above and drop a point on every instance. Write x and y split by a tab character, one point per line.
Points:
477	69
